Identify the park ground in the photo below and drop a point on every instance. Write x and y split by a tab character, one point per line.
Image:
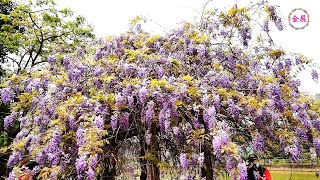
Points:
285	175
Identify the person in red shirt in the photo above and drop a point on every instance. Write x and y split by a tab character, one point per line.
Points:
255	169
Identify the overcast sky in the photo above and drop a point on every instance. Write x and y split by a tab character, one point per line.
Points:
111	17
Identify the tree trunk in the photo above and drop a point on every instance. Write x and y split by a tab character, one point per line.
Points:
143	162
207	170
152	168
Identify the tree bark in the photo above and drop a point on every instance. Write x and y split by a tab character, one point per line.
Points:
207	170
143	162
152	168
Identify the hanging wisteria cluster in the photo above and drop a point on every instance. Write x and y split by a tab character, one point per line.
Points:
200	92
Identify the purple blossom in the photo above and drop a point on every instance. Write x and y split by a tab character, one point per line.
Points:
201	159
316	124
266	26
258	144
166	126
201	50
81	164
314	75
14	158
119	100
99	122
196	123
93	161
256	175
219	140
298	60
294	150
9	120
97	72
205	100
6	95
42	156
210	118
268	64
229	164
303	117
98	54
12	176
90	174
56	137
288	63
51	59
295	107
233	109
184	161
80	136
278	23
160	71
148	137
66	61
176	131
71	121
316	144
80	51
149	113
114	122
131	102
142	95
124	120
242	169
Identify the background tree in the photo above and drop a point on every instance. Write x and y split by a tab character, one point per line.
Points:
36	29
5	8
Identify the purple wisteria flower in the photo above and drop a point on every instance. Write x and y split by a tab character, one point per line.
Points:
258	144
229	164
9	120
278	23
66	61
131	102
266	26
148	137
205	100
114	122
316	144
176	131
90	174
201	50
81	163
99	122
201	159
124	120
314	75
80	136
294	150
6	95
142	95
219	140
242	169
14	158
93	161
149	113
184	161
51	59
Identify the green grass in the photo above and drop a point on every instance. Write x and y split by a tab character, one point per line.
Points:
285	175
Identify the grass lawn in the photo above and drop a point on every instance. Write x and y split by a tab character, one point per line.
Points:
285	175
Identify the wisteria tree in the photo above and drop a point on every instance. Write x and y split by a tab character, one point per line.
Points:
201	93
